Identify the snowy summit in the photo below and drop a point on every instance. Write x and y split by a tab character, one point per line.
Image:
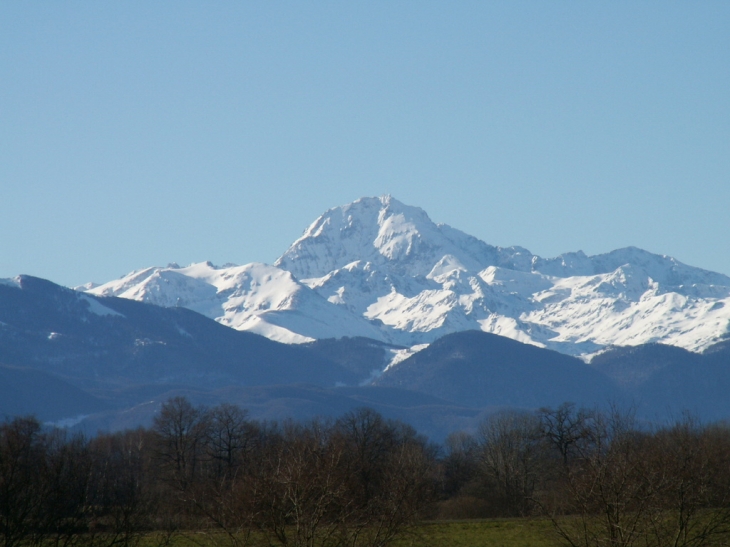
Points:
382	269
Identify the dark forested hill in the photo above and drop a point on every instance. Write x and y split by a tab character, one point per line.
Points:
92	341
66	354
481	369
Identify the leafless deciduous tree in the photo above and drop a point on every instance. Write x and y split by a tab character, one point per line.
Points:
180	430
58	490
511	454
22	460
389	474
627	486
301	499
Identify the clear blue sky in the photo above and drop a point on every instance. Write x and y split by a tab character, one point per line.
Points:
139	133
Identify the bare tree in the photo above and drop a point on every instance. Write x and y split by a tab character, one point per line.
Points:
688	466
122	494
301	499
362	481
230	437
511	455
460	463
22	492
570	430
406	494
390	476
222	495
623	486
180	430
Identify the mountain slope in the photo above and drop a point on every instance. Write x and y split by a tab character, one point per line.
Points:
107	363
110	343
481	369
256	298
26	391
386	233
67	353
380	269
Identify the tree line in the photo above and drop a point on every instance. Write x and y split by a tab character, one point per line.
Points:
359	480
600	477
362	480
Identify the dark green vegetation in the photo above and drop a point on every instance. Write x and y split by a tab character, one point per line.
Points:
211	476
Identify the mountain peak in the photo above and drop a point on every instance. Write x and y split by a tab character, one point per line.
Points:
382	231
370	229
377	267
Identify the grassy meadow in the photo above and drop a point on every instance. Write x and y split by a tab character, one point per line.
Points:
482	533
457	533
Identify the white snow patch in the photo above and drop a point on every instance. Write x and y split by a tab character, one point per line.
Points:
509	327
86	287
12	281
147	342
97	308
273	332
374	375
400	355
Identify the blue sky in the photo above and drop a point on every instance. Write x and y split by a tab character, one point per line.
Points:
135	134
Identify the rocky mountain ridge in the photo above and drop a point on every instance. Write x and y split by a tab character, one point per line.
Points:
381	269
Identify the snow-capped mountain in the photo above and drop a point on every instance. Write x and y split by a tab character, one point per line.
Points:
256	297
384	270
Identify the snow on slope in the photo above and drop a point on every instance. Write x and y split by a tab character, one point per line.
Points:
11	281
382	269
255	297
386	234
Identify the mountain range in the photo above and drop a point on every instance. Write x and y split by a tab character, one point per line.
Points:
98	363
380	269
375	305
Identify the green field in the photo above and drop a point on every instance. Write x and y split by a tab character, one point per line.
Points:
463	533
482	533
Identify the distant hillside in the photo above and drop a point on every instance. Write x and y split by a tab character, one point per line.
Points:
482	369
113	341
26	391
111	362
